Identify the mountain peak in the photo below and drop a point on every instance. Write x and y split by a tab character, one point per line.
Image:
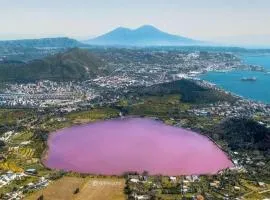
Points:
120	28
146	35
147	27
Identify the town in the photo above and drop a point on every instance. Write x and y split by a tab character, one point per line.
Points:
128	70
31	111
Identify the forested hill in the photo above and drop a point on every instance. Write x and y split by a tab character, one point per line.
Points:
74	64
244	134
189	90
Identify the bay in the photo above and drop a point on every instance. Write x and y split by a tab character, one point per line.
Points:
258	90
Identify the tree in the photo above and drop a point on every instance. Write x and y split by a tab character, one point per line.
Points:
2	144
76	191
41	197
145	173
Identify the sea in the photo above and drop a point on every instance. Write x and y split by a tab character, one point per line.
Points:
258	90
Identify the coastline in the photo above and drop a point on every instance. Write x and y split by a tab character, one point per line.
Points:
259	66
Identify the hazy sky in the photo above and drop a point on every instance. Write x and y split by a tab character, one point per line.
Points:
76	18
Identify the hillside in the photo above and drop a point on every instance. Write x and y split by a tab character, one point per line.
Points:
30	49
144	36
61	42
190	92
244	134
75	64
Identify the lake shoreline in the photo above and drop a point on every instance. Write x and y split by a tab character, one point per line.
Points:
158	121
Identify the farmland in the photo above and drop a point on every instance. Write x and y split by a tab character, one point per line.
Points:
93	115
103	189
87	189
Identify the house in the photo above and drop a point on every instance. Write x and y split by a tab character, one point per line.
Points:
192	178
145	178
31	185
237	188
134	180
31	171
260	164
8	177
186	181
215	184
185	189
235	161
140	197
173	178
261	184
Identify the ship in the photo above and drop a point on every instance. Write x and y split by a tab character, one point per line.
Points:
249	79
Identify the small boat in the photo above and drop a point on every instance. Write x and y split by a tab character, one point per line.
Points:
249	79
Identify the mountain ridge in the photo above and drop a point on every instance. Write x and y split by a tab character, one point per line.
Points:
146	35
57	42
74	64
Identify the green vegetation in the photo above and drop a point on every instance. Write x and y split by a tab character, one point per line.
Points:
93	115
14	185
75	64
163	107
190	92
173	104
12	116
10	165
243	133
22	137
19	157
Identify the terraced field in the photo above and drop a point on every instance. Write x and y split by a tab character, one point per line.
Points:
22	137
6	166
26	152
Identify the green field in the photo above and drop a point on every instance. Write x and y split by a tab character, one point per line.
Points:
93	115
11	116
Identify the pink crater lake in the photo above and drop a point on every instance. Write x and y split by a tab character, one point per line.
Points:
134	145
